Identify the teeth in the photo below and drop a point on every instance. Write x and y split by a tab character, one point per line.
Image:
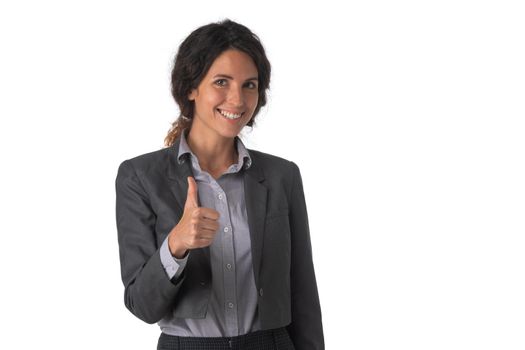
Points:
230	115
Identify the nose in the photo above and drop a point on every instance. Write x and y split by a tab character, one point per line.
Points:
235	96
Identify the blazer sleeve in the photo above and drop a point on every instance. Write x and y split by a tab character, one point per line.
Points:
306	329
149	293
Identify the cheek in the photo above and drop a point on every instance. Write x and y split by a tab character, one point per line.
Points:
253	99
208	99
214	97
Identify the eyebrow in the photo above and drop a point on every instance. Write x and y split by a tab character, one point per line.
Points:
228	77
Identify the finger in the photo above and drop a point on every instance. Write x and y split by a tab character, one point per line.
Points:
208	226
204	237
200	241
208	213
203	243
192	200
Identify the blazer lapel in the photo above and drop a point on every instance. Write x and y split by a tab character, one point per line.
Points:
255	194
178	174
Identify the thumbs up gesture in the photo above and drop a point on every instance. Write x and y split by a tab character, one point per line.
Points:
196	228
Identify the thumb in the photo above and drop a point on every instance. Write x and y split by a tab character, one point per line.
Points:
192	200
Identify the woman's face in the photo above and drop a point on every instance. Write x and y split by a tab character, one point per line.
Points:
227	96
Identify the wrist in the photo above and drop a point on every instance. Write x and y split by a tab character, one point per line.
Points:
176	250
180	254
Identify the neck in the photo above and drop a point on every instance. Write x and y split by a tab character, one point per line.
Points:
214	153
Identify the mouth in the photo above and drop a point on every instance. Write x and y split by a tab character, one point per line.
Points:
229	115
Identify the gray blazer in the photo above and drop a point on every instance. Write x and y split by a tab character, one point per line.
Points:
150	193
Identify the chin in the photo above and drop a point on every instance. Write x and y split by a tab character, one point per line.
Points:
230	131
230	134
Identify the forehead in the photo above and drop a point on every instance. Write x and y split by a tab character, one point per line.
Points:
235	63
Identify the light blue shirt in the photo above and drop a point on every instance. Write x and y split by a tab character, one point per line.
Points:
232	309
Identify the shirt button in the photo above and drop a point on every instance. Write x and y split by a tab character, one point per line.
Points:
220	196
230	305
261	292
229	266
226	229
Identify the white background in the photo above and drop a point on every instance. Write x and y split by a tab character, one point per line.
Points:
406	119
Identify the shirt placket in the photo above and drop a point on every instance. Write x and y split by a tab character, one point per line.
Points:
228	262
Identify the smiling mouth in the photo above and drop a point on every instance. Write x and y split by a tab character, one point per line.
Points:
228	115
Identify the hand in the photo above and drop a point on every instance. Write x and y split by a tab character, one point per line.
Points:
196	228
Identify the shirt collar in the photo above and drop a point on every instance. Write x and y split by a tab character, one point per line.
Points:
244	161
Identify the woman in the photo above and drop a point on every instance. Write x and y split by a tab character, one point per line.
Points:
213	237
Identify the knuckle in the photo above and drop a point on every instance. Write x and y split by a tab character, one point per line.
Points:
195	230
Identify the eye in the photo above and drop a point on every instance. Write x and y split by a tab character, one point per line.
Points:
220	82
252	85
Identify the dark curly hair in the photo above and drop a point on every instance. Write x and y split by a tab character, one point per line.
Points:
195	57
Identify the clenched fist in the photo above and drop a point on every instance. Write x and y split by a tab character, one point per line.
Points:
196	228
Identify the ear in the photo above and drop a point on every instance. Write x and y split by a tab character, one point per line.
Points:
194	93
